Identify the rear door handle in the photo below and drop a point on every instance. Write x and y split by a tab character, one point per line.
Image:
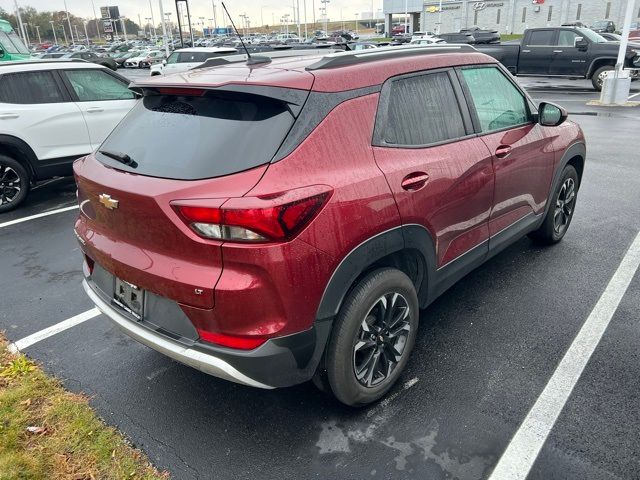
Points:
414	181
558	51
95	110
7	116
503	151
526	51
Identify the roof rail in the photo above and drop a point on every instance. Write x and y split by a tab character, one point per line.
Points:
42	60
342	59
240	58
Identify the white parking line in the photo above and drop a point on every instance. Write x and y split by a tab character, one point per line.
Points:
522	451
634	95
39	215
52	330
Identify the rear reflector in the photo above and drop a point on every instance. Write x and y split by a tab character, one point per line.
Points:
273	218
231	341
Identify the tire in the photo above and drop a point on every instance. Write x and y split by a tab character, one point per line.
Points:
596	79
14	183
553	227
360	316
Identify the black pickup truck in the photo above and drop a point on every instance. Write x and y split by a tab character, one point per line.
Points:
562	52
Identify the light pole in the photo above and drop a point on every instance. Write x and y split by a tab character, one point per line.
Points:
26	30
77	36
164	30
202	24
148	19
24	36
439	17
66	39
326	19
96	19
124	28
53	27
306	31
68	20
38	32
86	35
153	23
356	23
215	16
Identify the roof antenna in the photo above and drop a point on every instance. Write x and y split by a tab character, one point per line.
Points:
250	60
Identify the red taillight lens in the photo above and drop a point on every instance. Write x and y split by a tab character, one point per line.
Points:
231	341
271	218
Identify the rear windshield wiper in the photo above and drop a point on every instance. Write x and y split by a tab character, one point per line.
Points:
120	157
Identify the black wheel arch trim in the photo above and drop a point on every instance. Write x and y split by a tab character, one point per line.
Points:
577	149
26	155
394	240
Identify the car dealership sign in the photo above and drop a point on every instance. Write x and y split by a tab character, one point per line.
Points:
483	5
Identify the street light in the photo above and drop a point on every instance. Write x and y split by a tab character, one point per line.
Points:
148	19
86	35
324	9
356	23
38	31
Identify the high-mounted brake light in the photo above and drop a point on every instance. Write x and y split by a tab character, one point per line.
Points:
273	218
185	92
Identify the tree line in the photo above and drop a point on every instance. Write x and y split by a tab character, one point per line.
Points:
31	19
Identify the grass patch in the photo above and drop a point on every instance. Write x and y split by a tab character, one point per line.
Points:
49	433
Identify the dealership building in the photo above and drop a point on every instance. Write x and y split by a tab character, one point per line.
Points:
506	16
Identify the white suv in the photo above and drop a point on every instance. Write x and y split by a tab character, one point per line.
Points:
52	112
188	58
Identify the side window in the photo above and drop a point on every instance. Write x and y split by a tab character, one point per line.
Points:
498	103
30	88
566	38
541	38
96	85
422	110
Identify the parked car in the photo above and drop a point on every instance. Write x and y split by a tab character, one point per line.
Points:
426	41
134	61
93	58
52	113
574	24
460	37
188	58
482	36
121	57
151	58
400	29
272	157
563	52
603	26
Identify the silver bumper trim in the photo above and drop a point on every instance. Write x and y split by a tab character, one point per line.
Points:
202	361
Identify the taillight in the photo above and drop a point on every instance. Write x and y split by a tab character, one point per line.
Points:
231	341
273	218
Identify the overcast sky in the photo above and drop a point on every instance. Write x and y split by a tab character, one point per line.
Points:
272	10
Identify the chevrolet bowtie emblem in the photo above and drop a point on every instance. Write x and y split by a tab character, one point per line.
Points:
107	201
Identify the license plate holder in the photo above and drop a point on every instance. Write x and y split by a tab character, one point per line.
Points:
129	297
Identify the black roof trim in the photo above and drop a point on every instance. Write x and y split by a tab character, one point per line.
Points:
42	61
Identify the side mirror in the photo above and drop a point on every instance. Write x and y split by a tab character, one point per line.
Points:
1	52
551	115
580	43
164	62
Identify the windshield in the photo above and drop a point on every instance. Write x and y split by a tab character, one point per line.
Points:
600	24
591	35
200	136
12	43
173	58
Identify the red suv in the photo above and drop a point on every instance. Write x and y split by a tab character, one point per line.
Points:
270	223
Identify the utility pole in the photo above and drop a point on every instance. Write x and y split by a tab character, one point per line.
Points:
68	21
164	30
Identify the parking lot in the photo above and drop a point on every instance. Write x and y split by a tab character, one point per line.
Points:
484	354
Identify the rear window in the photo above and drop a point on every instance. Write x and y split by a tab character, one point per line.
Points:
196	137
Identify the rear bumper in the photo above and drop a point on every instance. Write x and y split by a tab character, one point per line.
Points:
279	362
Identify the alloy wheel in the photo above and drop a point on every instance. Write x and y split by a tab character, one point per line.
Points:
9	184
381	339
564	206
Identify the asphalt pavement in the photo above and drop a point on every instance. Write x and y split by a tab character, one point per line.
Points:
484	353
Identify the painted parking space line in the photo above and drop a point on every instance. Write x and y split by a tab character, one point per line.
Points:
38	215
524	447
634	95
53	330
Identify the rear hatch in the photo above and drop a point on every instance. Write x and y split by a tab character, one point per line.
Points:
177	144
